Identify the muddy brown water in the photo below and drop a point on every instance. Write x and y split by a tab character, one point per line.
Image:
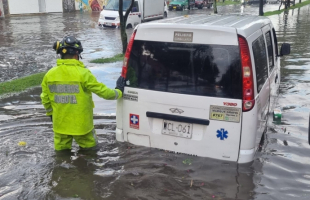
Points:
123	171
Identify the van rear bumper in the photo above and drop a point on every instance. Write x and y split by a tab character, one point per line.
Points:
246	156
108	23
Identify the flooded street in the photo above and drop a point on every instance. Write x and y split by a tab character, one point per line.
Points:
122	171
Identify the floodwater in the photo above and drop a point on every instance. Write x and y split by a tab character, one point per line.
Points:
122	171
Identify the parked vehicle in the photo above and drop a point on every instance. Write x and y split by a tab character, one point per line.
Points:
208	3
205	96
143	10
203	3
181	4
191	4
199	4
256	2
273	1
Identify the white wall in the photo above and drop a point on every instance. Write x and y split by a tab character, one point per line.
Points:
23	6
77	5
53	5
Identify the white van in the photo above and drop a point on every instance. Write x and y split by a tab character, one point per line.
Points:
202	85
142	10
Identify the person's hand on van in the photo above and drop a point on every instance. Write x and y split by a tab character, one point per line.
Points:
120	83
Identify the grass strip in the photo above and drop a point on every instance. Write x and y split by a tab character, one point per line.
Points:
225	3
118	57
276	12
21	84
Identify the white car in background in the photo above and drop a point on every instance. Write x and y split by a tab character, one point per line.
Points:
142	11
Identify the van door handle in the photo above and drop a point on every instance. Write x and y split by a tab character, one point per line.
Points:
276	79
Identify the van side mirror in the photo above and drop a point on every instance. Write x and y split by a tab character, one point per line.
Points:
285	49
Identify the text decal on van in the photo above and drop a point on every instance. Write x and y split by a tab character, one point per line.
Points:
230	104
223	113
183	36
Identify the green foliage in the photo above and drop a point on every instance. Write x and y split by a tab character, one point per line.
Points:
187	161
276	12
118	57
21	84
225	3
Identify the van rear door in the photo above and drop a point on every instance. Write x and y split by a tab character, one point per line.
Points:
185	91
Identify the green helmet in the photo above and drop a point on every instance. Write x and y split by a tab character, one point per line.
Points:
69	45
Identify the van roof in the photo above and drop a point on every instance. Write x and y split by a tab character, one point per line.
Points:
246	25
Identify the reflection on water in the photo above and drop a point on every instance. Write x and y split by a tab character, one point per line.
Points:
121	171
285	158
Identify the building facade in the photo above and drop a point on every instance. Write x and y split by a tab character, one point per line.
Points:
16	7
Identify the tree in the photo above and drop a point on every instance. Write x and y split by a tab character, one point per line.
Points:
261	5
285	4
123	20
215	7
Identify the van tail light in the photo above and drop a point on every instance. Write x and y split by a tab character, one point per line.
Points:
248	100
127	54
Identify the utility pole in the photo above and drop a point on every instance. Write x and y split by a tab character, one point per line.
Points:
261	11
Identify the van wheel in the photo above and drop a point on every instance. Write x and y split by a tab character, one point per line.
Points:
128	26
165	15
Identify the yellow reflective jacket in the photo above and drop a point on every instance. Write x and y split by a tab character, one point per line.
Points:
67	95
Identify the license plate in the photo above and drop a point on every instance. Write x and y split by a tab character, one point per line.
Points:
178	129
108	24
174	7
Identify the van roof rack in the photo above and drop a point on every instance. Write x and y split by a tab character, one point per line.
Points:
246	24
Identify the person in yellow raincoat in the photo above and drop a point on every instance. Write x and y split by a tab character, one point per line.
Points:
67	96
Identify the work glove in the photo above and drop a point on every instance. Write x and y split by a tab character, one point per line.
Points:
120	83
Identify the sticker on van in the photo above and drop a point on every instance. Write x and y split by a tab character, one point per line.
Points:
134	121
183	36
222	113
130	97
222	134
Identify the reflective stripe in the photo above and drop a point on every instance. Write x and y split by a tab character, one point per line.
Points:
49	110
95	136
64	99
116	94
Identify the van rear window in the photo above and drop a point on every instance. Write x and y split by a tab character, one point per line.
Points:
193	69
